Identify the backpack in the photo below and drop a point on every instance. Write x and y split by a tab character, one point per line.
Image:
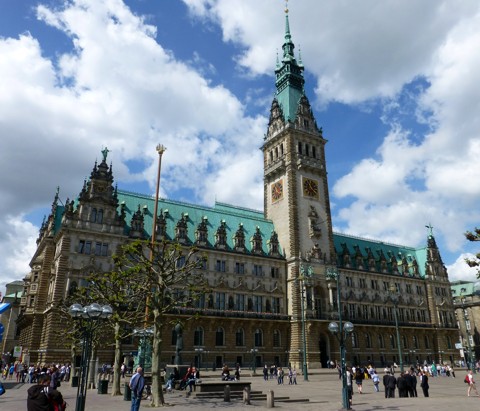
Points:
466	380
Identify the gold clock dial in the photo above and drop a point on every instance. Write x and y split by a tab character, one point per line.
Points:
310	188
277	190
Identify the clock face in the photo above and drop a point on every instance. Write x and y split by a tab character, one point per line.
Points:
277	190
310	188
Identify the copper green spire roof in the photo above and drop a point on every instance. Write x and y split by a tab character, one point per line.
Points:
289	77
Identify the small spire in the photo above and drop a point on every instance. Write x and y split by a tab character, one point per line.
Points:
300	56
278	61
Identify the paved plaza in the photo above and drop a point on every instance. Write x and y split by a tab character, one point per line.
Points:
323	390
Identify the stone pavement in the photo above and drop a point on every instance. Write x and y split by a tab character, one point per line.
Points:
323	391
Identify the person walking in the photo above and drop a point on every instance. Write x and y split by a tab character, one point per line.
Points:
424	383
41	396
376	381
265	372
471	383
137	384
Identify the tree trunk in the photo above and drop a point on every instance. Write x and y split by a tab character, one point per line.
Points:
117	364
157	386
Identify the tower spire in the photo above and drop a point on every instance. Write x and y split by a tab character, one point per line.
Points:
289	76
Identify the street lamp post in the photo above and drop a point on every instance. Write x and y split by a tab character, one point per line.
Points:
394	296
340	331
144	334
199	352
306	274
254	365
90	316
471	360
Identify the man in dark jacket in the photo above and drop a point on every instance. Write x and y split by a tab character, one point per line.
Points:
424	383
391	384
402	385
385	383
41	396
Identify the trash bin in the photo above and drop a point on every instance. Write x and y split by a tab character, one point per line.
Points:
75	381
102	386
127	393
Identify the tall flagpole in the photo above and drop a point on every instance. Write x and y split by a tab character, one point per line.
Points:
160	150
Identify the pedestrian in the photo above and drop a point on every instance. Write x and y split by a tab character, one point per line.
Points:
376	381
424	383
41	396
402	385
359	376
265	372
471	383
385	382
123	369
391	385
348	377
294	376
137	384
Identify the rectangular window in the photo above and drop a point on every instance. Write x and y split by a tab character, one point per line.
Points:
385	286
220	265
349	281
258	301
201	263
181	262
275	272
467	325
220	304
351	311
276	305
362	283
81	246
98	248
239	268
104	249
408	288
257	270
240	302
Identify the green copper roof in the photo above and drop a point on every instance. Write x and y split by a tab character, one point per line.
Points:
400	252
213	216
289	78
463	288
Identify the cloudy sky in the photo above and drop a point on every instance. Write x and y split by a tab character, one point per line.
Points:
394	84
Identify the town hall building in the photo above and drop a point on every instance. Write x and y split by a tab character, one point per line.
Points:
273	273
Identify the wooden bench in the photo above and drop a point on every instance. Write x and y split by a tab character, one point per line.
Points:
219	386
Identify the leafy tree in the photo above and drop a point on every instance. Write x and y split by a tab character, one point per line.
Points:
125	290
475	262
170	269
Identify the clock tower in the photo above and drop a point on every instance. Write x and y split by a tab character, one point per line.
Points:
296	195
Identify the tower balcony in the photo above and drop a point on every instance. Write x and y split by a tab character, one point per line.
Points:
275	167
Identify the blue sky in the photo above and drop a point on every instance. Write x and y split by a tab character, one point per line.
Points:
393	83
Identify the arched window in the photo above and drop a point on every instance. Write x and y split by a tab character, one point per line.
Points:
449	343
381	341
276	339
415	341
392	341
405	342
93	216
220	337
354	340
100	216
427	342
368	341
198	336
258	338
240	338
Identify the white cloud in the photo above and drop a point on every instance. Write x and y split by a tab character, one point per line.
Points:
459	270
115	87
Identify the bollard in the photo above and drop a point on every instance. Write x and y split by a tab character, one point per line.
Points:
246	395
226	393
270	399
